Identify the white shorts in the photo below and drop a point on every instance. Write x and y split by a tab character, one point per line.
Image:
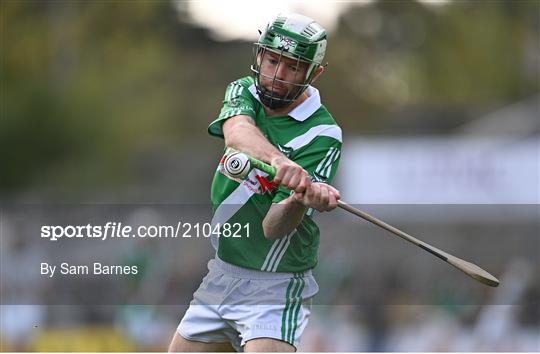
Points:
235	304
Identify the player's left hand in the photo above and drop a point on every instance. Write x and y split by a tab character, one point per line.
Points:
319	196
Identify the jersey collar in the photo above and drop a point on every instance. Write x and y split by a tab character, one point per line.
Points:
305	109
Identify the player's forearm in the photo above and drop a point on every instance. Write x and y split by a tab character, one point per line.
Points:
245	136
282	218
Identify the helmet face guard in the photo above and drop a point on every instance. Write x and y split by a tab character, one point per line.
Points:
268	94
303	42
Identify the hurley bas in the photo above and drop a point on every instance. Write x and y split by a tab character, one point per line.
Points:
95	269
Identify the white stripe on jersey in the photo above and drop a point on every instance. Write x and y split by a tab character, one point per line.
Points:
234	91
323	162
326	172
282	253
276	252
330	130
231	205
271	252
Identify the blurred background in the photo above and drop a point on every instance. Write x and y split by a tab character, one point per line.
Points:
103	117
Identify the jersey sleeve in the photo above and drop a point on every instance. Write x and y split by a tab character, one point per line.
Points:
320	159
238	101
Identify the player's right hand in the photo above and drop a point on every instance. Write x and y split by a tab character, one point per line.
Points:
319	196
290	174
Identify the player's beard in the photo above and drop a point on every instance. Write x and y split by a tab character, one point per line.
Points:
275	100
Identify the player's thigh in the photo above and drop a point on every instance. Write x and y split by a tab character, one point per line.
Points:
268	345
179	344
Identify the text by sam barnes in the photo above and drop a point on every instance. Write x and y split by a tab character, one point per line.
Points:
95	268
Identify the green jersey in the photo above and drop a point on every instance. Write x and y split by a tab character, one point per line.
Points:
309	136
